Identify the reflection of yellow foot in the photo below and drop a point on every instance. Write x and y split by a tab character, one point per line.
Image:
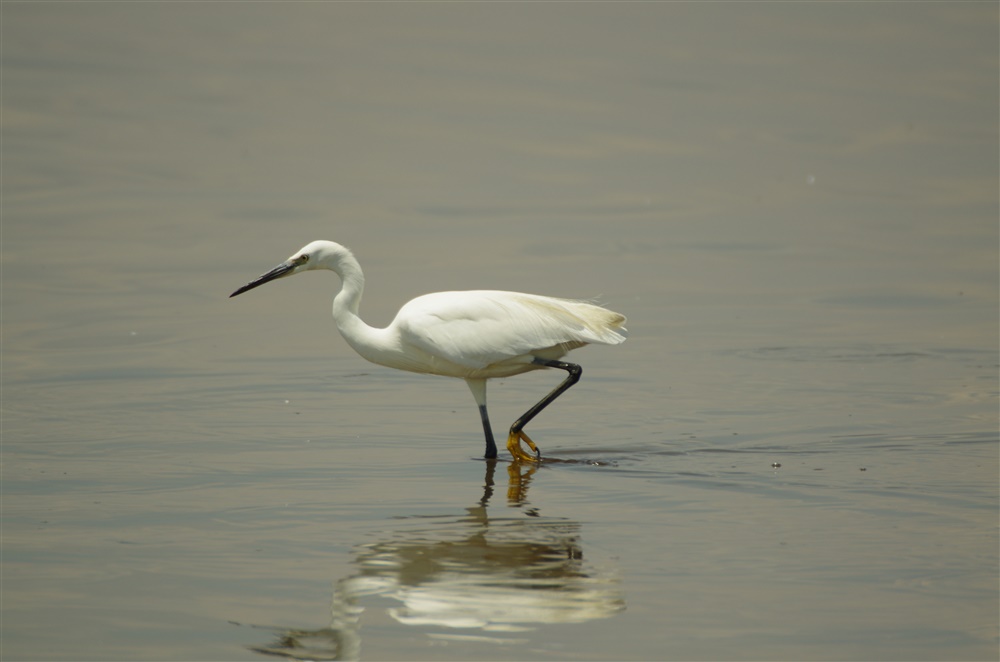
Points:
514	446
517	485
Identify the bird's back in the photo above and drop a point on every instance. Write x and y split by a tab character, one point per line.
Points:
476	329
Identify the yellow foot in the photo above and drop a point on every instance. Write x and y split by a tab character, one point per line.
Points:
520	455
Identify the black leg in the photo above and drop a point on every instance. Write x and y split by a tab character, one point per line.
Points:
491	446
574	376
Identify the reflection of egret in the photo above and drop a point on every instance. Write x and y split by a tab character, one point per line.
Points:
474	573
474	335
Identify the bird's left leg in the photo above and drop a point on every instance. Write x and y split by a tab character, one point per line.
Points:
491	446
517	434
478	388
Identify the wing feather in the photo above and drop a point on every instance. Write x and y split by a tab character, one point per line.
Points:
476	329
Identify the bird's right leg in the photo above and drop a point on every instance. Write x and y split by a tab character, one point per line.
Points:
478	388
517	434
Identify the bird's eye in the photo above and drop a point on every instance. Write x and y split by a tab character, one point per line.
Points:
302	259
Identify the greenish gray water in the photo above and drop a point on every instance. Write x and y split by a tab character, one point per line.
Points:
794	456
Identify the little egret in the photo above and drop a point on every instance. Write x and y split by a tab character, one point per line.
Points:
475	335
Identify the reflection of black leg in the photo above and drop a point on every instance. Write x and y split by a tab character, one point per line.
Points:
516	434
491	466
491	446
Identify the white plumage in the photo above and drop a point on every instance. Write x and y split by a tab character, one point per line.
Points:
474	335
487	333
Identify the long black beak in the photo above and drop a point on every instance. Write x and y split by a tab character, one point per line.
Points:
283	269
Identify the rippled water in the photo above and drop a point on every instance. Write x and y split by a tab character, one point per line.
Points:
794	456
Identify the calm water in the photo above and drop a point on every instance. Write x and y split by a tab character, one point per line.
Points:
794	456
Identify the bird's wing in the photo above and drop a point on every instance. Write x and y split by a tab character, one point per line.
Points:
476	329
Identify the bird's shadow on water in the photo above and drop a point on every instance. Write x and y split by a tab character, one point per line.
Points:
482	578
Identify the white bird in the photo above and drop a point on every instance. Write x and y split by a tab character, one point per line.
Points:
475	335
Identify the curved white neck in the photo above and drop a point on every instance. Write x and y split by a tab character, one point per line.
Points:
370	342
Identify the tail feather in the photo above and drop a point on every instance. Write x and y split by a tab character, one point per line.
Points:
603	326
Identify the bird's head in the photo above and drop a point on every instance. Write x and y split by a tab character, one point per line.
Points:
315	255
